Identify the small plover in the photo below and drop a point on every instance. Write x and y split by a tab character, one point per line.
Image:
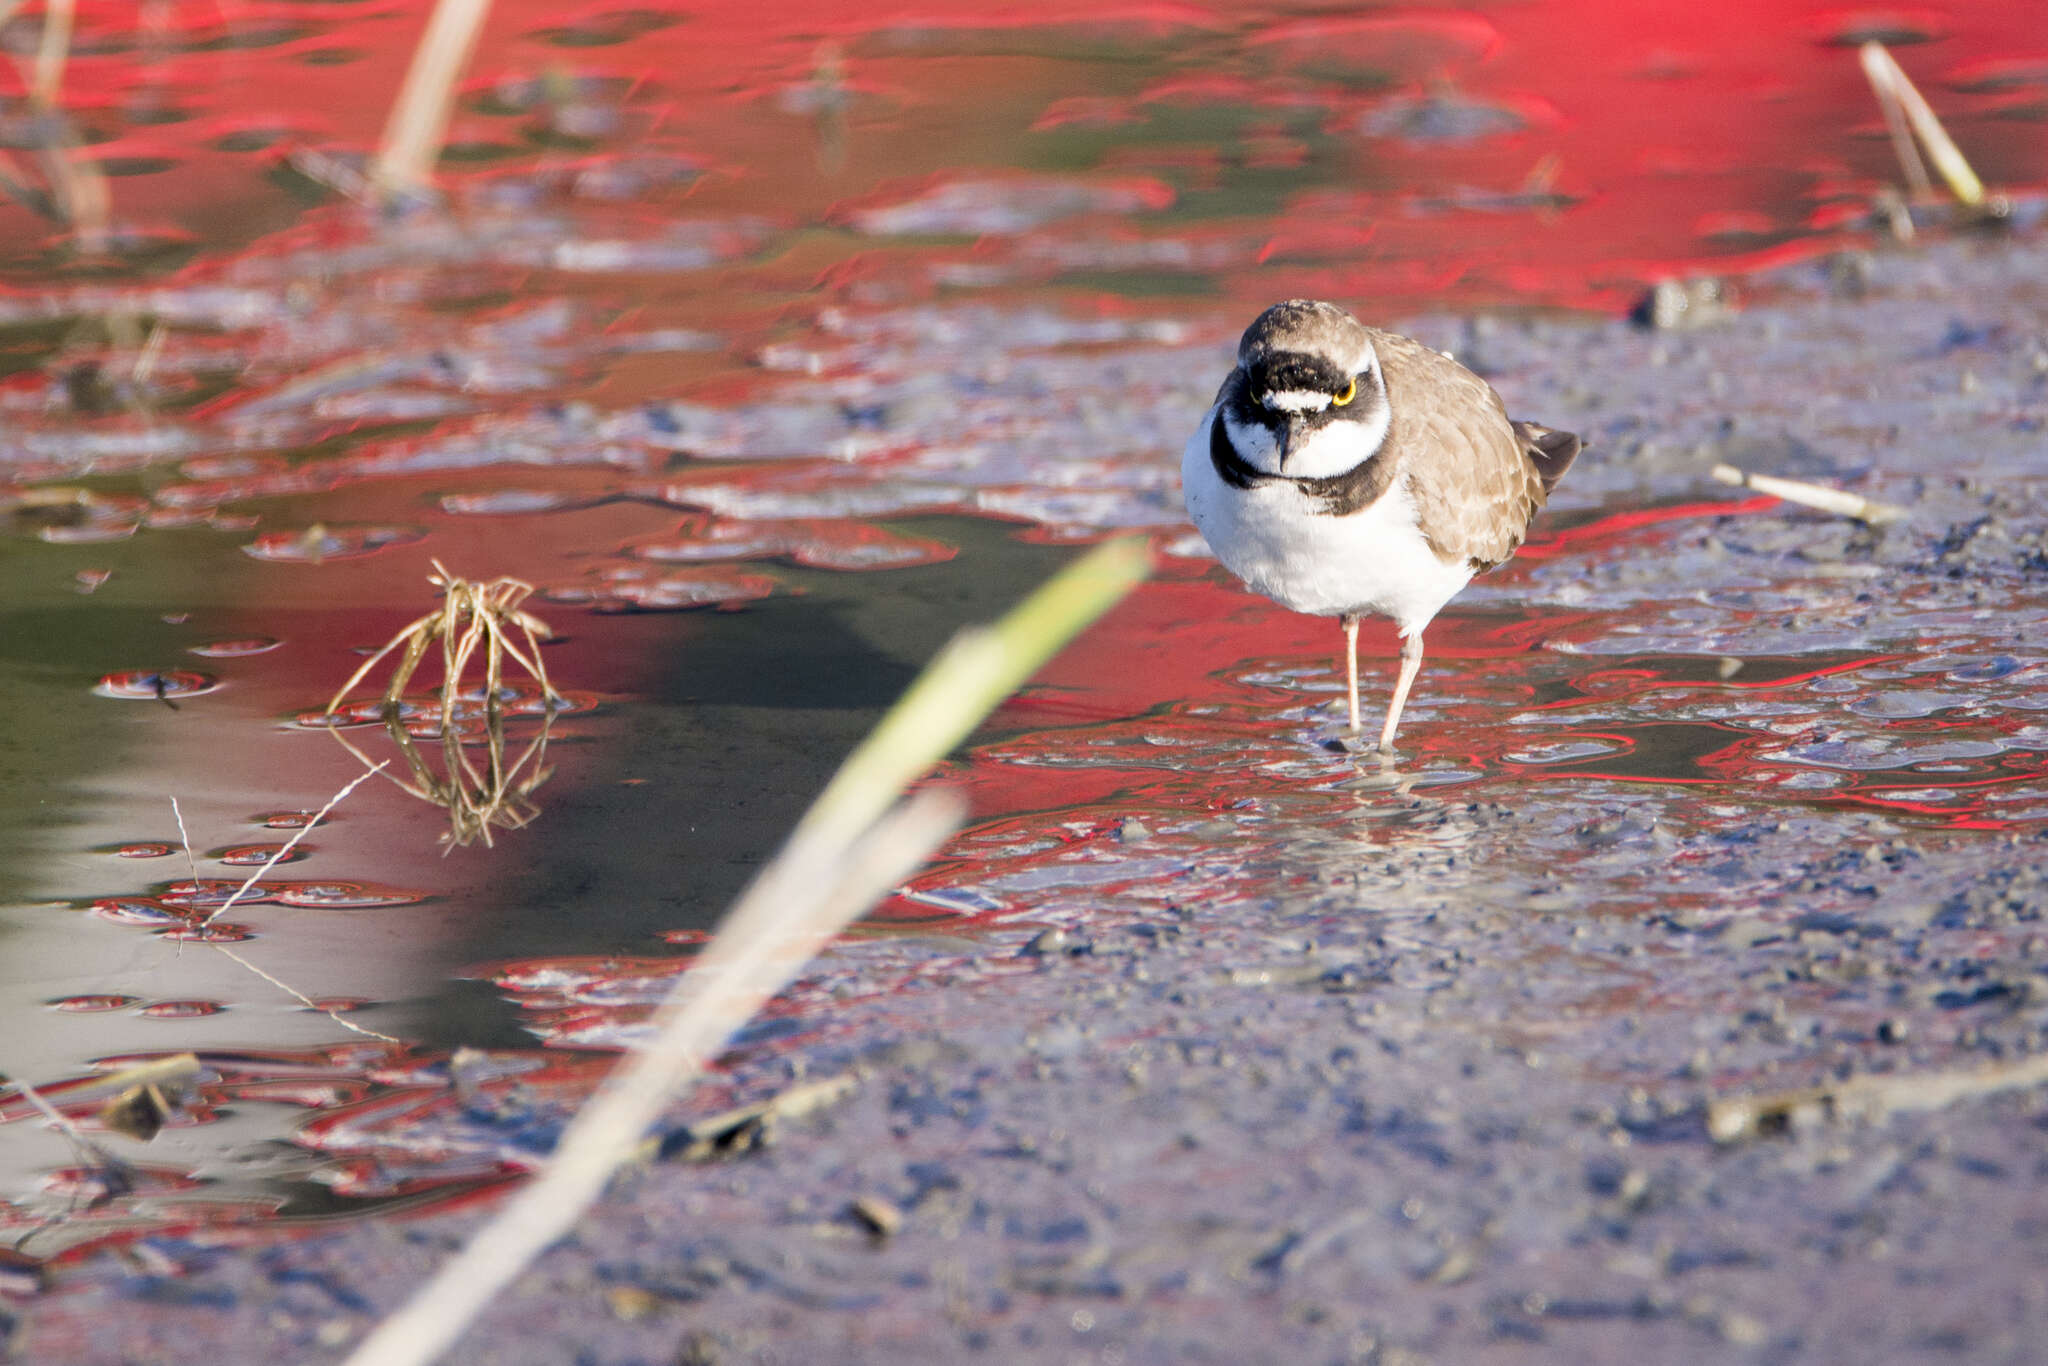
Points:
1344	470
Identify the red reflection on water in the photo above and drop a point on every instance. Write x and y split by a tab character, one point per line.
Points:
1662	673
1545	544
1565	150
813	542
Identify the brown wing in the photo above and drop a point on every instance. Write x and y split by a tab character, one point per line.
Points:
1477	478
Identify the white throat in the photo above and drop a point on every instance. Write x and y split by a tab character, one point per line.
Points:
1332	449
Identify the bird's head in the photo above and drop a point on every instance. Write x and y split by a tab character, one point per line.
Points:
1307	399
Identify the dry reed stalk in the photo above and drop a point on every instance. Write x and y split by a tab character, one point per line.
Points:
78	196
1866	510
272	862
418	125
853	844
1906	109
53	53
157	1072
283	849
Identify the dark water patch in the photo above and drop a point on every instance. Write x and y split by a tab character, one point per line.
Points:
1675	752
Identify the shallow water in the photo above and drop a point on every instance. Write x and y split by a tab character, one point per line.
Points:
842	332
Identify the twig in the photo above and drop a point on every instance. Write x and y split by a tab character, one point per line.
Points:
1902	101
302	997
177	1067
285	848
191	863
1866	510
1734	1118
52	53
155	1072
61	1123
419	118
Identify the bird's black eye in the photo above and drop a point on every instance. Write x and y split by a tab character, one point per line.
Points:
1350	392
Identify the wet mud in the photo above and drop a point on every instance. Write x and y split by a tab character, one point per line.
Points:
1208	1043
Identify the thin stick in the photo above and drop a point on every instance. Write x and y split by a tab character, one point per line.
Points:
176	1067
191	863
1895	88
52	53
60	1123
302	997
417	631
286	847
419	118
1842	504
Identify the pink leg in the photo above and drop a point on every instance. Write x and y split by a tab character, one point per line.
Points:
1351	666
1411	664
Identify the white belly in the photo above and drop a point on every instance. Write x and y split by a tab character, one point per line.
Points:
1271	536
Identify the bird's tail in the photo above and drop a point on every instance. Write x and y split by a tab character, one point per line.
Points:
1550	452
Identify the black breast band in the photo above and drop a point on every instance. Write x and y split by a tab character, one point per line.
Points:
1339	495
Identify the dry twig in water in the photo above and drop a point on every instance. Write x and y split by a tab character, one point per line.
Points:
275	858
77	195
1913	125
419	118
282	850
1866	510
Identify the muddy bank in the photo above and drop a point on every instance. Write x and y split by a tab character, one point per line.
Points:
1254	1054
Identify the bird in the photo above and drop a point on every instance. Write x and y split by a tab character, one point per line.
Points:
1346	471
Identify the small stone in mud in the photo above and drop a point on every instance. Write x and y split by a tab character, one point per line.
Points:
1748	931
1892	1030
1673	304
631	1303
1848	274
1133	831
879	1217
1047	943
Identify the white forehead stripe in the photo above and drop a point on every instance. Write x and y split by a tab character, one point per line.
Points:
1295	401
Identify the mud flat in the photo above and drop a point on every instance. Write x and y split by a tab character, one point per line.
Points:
1680	999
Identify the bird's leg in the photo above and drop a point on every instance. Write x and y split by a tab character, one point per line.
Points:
1411	664
1350	621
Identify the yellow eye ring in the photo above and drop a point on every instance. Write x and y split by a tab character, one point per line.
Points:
1350	392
